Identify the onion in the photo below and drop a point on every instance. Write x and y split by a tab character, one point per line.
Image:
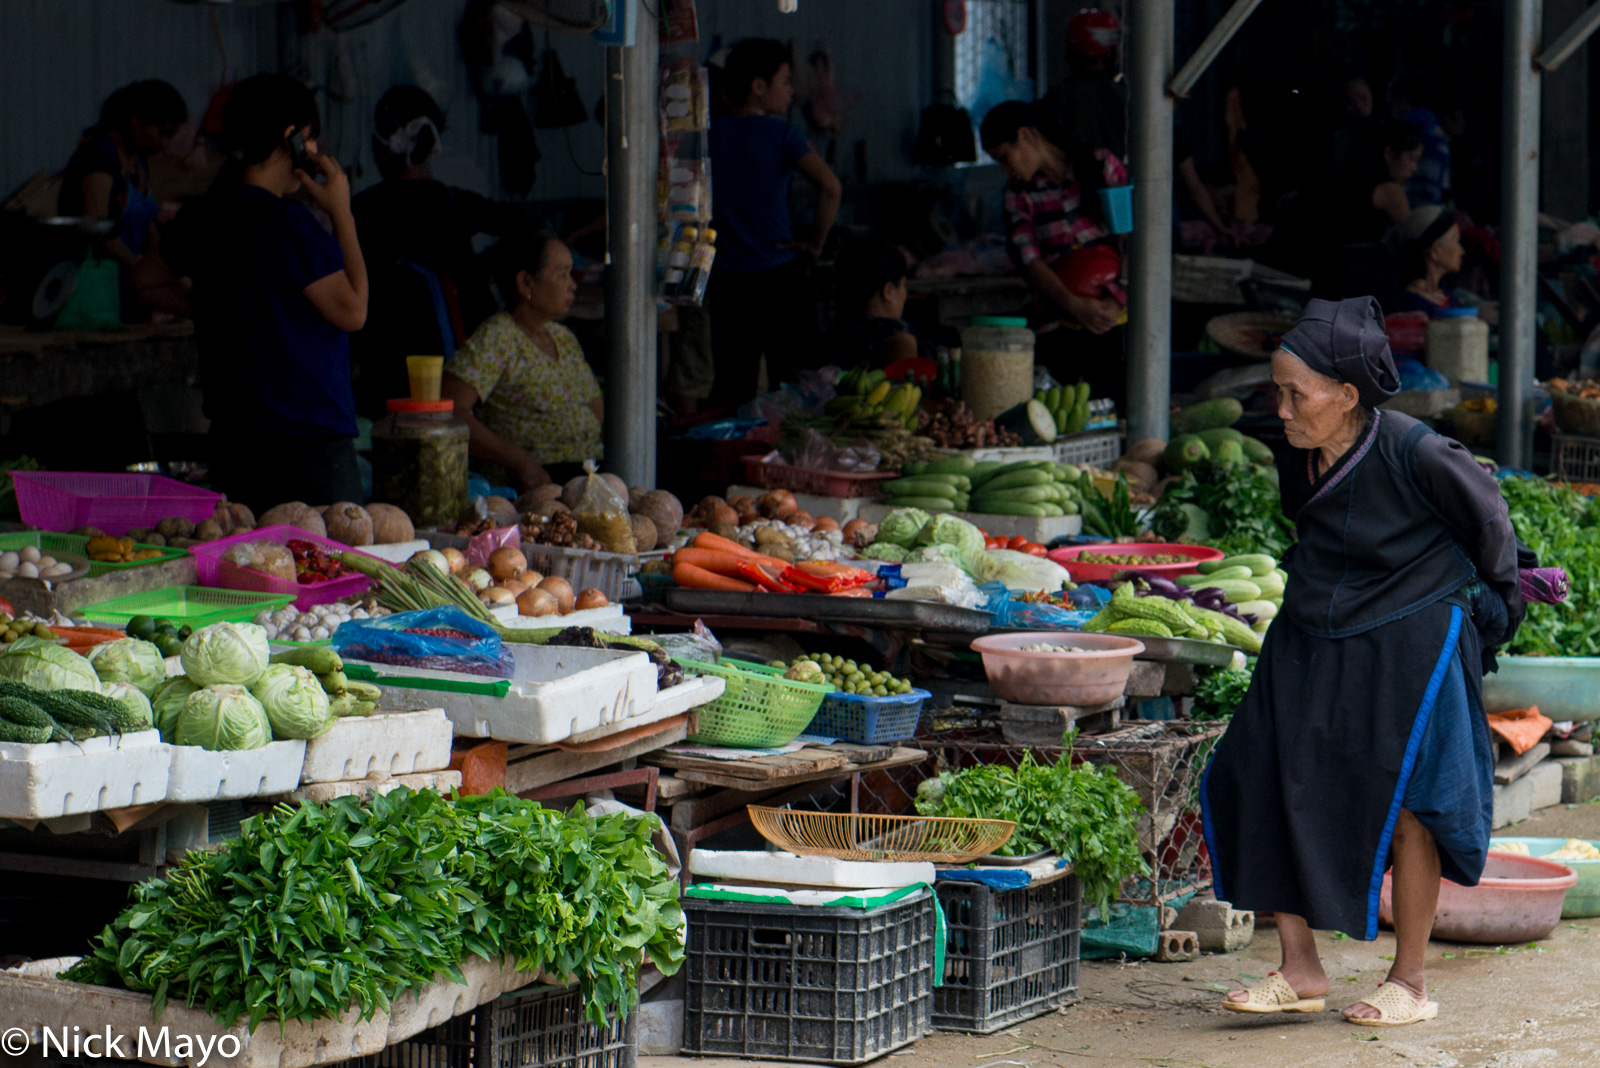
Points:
826	522
561	590
434	557
802	520
507	562
591	598
496	595
478	579
515	585
778	504
457	562
538	603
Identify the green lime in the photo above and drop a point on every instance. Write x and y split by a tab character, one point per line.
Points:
184	632
168	644
142	627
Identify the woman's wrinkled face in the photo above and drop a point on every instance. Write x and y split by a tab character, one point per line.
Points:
1314	408
552	289
1447	251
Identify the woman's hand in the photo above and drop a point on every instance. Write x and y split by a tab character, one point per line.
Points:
531	474
332	194
1095	314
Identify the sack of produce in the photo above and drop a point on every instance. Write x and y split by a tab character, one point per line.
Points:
602	513
267	557
441	639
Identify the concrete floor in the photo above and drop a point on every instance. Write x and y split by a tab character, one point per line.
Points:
1513	1008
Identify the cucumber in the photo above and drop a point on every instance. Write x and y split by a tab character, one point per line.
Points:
1258	563
948	465
1054	510
1198	581
318	659
927	504
1002	506
1007	469
1068	473
1069	507
1235	590
923	486
984	469
915	467
1271	585
1237	572
1032	476
1260	609
334	683
1024	495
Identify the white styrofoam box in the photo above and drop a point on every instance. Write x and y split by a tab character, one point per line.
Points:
374	785
779	867
1034	528
843	509
1005	454
65	778
554	692
207	775
396	552
612	619
391	743
692	692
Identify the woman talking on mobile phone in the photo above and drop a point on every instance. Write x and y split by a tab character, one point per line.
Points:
274	298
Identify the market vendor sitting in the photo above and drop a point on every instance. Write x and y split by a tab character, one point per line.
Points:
871	298
1430	249
521	381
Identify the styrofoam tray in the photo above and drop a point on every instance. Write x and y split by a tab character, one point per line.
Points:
206	775
611	619
66	778
396	552
1035	528
692	692
391	743
779	867
1005	454
555	692
843	509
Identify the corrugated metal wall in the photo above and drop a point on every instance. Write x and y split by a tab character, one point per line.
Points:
63	57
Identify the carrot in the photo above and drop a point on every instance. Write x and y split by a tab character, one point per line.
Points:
698	578
833	569
853	592
714	560
711	543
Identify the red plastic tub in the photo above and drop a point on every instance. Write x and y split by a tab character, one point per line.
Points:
1518	900
1085	572
116	502
1094	674
215	571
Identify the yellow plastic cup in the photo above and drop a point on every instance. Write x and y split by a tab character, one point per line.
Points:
425	372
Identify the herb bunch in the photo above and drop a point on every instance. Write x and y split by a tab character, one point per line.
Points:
1084	813
1243	512
1563	528
1218	693
315	909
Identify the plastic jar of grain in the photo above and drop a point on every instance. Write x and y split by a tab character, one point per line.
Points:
996	364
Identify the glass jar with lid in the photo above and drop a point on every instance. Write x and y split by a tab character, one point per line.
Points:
419	460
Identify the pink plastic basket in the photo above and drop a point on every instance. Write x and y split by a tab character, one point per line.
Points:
113	501
215	571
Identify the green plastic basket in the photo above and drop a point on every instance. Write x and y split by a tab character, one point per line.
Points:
45	541
197	606
759	709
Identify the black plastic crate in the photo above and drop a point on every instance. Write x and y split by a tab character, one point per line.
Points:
1009	955
831	985
543	1029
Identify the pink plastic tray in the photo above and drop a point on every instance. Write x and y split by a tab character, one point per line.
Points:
114	502
215	571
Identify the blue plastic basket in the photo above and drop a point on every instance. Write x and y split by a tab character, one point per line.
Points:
869	720
1117	203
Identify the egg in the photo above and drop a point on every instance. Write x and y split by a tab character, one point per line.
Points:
27	569
9	560
30	555
46	561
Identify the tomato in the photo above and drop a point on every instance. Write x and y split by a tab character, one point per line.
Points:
994	543
1017	542
5	606
1034	549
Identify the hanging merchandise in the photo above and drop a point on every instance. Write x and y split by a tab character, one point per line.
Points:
555	96
694	286
679	22
684	178
944	137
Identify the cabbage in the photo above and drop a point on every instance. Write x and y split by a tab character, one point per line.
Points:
901	527
885	550
941	553
47	666
226	654
223	717
295	702
1020	571
140	664
133	699
167	705
949	530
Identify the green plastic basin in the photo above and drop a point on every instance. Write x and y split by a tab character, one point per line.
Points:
1584	898
1564	687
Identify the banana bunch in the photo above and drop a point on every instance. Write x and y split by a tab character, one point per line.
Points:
868	395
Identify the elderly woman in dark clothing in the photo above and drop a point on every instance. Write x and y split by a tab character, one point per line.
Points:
1362	742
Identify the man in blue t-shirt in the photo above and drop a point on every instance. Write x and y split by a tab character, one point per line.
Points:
274	297
761	298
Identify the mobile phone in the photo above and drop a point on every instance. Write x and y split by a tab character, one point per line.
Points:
302	160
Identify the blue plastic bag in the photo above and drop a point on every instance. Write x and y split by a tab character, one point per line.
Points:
1007	612
439	639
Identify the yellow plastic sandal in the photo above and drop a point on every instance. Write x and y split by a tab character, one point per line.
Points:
1273	994
1396	1008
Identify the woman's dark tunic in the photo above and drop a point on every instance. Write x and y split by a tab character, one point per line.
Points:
1367	696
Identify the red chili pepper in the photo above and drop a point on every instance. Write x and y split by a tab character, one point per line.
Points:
764	579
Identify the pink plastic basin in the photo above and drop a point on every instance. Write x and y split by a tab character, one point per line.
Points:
1082	571
1097	674
1517	900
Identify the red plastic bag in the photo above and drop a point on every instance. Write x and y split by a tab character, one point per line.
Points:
1521	728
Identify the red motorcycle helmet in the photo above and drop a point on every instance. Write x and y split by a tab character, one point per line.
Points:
1093	33
1092	272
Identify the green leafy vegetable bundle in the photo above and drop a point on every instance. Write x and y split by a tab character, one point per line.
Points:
1563	527
1084	813
1217	695
1235	509
314	909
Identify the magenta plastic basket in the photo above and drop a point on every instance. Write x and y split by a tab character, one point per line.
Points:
215	571
116	502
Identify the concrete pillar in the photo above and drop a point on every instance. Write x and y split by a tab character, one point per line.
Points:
1519	228
1149	59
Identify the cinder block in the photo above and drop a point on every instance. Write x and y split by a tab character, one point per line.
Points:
1174	947
1546	779
1220	927
1044	724
1539	788
1180	680
1580	778
1145	679
1568	747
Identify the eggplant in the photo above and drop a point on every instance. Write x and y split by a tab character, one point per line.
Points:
1031	421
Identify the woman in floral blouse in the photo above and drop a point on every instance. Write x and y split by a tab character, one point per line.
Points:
521	381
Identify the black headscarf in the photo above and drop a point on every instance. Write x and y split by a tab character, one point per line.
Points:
1345	341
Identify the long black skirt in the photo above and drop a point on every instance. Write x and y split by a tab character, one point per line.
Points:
1334	739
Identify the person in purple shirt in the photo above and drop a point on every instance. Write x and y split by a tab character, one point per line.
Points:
761	298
